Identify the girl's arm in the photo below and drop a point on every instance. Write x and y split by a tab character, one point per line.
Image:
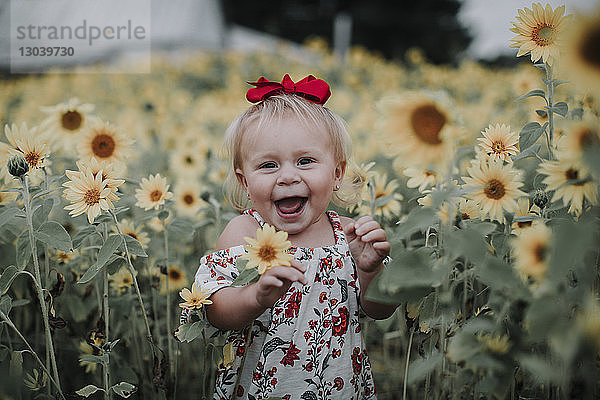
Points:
368	245
236	307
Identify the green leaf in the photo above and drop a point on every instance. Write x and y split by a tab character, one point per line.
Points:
419	219
8	214
500	276
530	133
560	108
535	92
83	234
54	235
41	214
124	389
103	359
86	391
421	368
181	227
541	113
5	304
8	276
541	370
246	277
106	251
23	248
134	246
531	151
189	332
468	243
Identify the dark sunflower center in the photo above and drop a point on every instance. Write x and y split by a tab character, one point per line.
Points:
465	216
498	147
541	252
572	174
589	47
494	189
188	199
174	274
132	234
156	195
71	120
427	123
91	197
524	224
542	35
267	253
33	158
587	138
103	145
189	160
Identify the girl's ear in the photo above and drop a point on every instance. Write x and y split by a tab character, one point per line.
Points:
339	171
241	178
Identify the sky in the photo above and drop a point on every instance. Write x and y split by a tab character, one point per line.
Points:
489	22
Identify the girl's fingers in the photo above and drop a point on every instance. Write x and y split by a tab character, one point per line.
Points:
382	246
377	235
366	227
287	273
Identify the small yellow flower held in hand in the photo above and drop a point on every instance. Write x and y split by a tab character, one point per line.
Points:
194	299
268	249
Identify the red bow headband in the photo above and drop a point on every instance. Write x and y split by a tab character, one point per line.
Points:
311	88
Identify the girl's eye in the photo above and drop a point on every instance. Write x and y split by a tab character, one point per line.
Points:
268	165
305	161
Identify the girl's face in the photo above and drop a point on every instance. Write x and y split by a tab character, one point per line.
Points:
289	172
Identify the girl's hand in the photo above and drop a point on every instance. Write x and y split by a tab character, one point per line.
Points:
274	282
368	244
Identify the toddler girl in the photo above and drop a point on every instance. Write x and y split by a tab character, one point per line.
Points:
295	332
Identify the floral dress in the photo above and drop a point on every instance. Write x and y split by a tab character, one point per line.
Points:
307	346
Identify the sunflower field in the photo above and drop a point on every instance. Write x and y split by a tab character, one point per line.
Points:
485	180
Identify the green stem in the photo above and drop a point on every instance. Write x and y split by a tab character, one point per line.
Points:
169	336
410	339
10	323
135	283
550	87
106	369
38	280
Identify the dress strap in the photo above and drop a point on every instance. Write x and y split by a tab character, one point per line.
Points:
338	230
256	216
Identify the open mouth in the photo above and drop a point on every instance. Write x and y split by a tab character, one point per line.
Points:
290	205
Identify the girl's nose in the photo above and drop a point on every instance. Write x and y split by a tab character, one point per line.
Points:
288	175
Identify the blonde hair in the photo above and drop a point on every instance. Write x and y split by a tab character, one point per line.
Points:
272	110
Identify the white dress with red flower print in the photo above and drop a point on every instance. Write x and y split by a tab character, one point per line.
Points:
308	346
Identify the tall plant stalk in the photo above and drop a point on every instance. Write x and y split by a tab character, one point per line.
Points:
106	369
550	91
38	279
135	283
169	337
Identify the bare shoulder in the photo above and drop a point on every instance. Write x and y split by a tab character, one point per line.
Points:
236	230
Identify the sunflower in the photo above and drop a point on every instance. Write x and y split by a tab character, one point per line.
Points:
570	181
495	343
524	210
419	129
28	143
105	143
66	120
121	280
494	187
420	178
381	187
153	192
499	142
106	170
177	279
580	136
194	299
268	249
531	250
354	183
85	349
468	209
188	161
581	55
187	198
65	257
446	211
539	32
87	194
128	227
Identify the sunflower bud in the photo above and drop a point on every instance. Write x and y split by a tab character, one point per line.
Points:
540	198
17	165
